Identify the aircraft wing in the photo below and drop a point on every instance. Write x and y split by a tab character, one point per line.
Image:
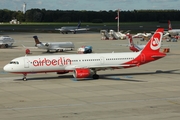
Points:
81	29
28	47
127	31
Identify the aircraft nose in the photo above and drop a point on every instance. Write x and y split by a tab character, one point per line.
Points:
7	68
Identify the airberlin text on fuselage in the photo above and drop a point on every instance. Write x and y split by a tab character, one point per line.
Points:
51	62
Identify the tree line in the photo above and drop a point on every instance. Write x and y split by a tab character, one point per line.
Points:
43	15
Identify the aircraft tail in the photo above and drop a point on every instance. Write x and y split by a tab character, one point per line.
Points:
131	45
36	40
130	40
79	24
169	25
154	44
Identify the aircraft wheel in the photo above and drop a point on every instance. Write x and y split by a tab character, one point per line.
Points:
95	76
24	79
61	50
6	45
90	51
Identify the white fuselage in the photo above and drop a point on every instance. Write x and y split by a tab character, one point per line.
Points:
174	32
55	63
56	45
6	40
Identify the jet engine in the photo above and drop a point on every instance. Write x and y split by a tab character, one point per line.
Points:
81	73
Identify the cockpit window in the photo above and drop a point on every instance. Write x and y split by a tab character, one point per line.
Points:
14	62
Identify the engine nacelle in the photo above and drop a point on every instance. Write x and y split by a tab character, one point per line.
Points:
81	73
63	72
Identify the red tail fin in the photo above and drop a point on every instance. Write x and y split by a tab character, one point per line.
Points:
36	40
154	43
169	25
132	46
131	43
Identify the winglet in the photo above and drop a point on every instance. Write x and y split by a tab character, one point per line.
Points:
36	40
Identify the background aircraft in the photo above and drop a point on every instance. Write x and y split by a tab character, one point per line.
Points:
57	46
133	47
72	29
85	65
172	31
6	41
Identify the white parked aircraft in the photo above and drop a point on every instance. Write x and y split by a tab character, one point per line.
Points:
72	29
57	46
6	41
171	31
85	65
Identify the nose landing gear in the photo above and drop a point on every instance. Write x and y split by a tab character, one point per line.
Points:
24	77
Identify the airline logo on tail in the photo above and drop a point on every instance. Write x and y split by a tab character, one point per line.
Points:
155	42
36	40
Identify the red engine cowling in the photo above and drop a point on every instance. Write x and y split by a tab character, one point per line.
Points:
81	73
62	72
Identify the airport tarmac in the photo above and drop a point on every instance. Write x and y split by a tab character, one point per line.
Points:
147	92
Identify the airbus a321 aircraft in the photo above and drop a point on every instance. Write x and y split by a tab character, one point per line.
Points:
57	46
72	29
87	65
172	31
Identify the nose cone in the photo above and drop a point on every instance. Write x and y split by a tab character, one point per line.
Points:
7	68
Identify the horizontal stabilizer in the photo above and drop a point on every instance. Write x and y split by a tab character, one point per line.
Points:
158	56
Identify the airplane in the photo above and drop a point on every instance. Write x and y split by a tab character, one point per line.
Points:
73	29
6	41
62	46
87	65
172	32
133	47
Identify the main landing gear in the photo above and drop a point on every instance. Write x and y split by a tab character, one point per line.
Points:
95	75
